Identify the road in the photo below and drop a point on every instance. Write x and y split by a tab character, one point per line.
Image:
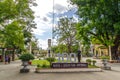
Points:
11	72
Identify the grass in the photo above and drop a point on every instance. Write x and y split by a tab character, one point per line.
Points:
91	66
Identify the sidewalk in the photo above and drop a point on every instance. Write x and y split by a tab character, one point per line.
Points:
12	72
13	65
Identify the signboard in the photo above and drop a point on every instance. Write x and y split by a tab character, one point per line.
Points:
69	65
49	43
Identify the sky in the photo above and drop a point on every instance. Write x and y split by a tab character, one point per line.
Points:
44	18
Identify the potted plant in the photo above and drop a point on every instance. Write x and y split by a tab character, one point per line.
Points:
38	67
94	61
25	58
104	60
89	61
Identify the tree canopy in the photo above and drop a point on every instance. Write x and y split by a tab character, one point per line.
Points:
65	32
100	19
16	22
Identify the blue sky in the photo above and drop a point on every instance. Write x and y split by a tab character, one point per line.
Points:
44	17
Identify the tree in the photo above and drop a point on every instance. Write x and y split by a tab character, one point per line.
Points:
7	10
13	36
26	18
60	48
66	31
100	19
34	45
16	23
18	11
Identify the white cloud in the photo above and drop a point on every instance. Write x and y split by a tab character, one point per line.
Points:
43	43
38	32
42	26
59	8
44	6
62	2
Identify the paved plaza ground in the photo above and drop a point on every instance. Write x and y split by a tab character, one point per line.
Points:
11	72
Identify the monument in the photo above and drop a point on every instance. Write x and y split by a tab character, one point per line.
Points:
68	61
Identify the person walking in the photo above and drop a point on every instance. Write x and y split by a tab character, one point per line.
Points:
6	59
9	59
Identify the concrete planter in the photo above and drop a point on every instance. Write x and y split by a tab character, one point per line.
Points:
25	69
105	66
37	70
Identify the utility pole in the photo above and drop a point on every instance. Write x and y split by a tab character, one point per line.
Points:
53	24
52	40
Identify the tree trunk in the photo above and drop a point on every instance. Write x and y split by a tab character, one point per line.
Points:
114	48
13	55
109	51
69	48
114	54
2	55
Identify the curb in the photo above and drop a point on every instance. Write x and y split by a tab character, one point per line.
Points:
68	70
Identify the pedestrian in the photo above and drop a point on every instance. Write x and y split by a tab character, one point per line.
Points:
9	59
0	58
6	59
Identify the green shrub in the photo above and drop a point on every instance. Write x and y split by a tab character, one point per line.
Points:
45	65
104	57
38	65
50	60
89	61
41	62
39	58
26	57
